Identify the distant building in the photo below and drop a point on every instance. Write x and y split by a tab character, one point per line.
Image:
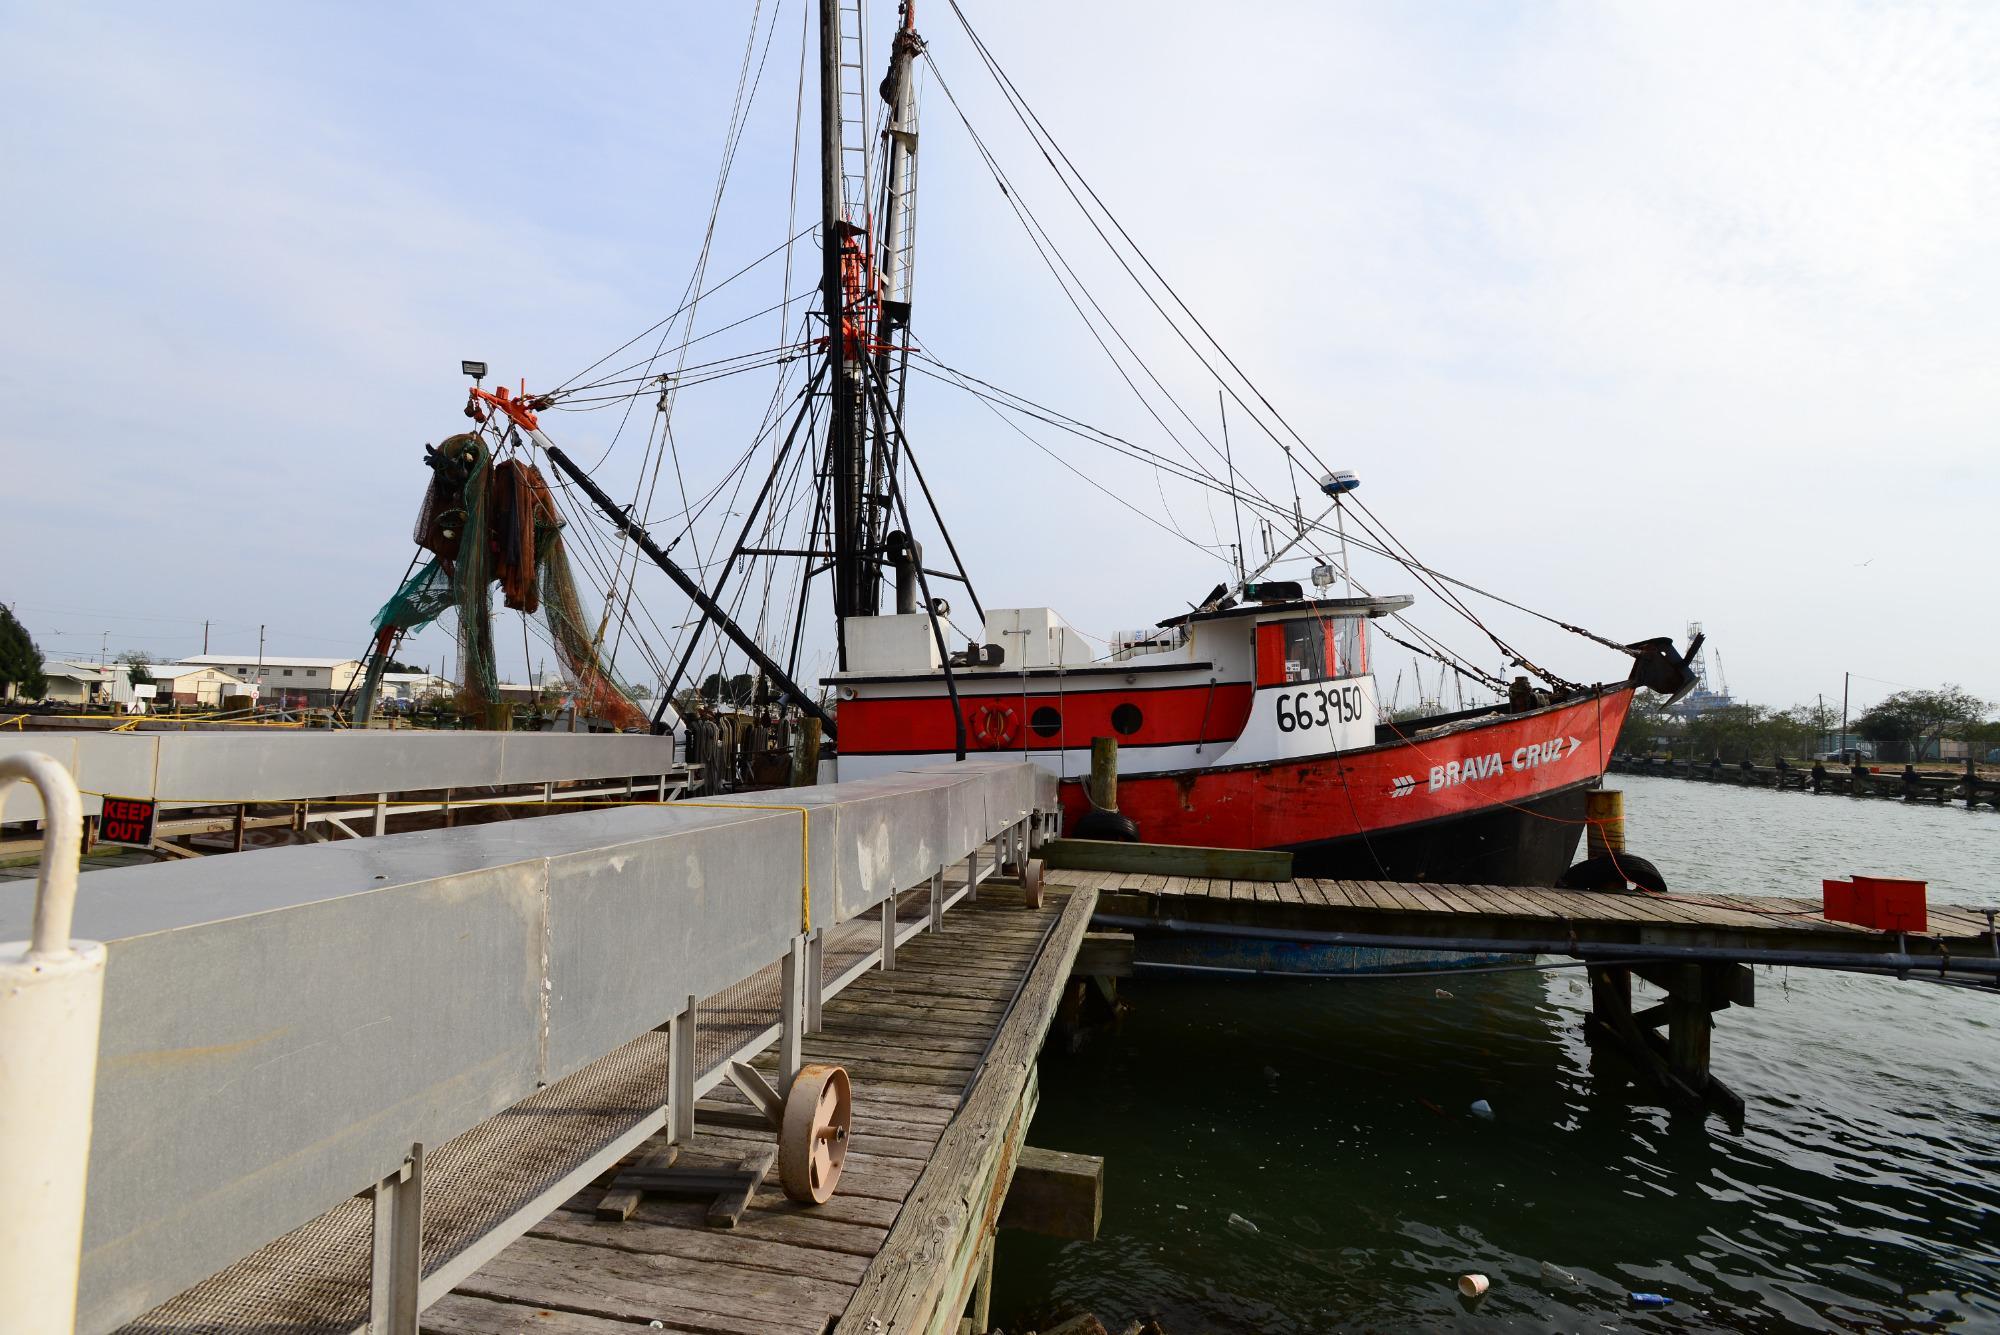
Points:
186	684
412	688
299	683
77	683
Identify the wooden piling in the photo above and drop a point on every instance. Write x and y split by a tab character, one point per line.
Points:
1605	810
1104	772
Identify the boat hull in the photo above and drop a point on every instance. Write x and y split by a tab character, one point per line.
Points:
1499	801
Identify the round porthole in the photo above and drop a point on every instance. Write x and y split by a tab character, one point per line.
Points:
1127	718
1046	722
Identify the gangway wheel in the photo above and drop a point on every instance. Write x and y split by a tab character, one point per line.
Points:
812	1143
1031	883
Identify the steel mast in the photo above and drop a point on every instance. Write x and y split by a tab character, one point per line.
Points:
856	570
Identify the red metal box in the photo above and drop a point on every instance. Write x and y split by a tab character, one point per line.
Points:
1894	905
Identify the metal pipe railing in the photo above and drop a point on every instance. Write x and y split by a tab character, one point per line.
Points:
51	1002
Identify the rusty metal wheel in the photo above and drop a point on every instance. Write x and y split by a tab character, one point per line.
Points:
1031	883
812	1146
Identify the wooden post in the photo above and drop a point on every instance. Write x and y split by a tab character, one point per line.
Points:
1605	810
982	1291
1687	1026
1610	994
1104	772
237	829
381	813
805	759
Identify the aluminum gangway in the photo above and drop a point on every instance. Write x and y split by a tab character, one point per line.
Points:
403	1052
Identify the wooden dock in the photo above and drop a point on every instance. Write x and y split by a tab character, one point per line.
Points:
942	1053
1697	948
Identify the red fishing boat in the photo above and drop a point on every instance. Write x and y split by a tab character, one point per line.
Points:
1250	724
1253	720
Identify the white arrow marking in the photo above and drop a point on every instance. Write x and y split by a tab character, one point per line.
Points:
1573	744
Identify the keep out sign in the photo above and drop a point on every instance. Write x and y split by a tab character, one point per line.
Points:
127	820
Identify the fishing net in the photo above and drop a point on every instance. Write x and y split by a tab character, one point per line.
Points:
488	523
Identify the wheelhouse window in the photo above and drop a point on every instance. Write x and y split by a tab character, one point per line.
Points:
1307	649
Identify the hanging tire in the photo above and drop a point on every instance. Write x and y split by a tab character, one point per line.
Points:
1097	823
1614	873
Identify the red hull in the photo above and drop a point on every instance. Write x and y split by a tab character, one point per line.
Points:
1513	763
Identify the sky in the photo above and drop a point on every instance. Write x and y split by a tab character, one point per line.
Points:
1637	315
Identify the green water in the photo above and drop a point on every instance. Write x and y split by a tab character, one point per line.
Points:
1333	1116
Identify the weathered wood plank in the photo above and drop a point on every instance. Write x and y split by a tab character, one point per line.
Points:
459	1314
684	1235
907	1279
627	1286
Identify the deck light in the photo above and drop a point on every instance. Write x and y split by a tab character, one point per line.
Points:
477	370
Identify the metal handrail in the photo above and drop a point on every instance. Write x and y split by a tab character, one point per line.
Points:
51	999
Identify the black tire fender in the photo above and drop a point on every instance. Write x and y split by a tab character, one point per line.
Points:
1097	823
1613	872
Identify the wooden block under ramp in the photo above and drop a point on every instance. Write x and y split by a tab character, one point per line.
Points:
1103	955
1056	1194
1235	864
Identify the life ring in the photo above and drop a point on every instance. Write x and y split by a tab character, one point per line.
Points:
994	727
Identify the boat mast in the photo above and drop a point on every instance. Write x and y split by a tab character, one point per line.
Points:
856	570
897	243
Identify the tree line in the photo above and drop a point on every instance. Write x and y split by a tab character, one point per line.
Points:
1903	726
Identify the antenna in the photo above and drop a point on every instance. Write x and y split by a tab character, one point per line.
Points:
1235	503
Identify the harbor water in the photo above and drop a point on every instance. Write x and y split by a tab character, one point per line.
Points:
1303	1155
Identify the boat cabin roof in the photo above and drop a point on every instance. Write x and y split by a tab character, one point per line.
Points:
1299	607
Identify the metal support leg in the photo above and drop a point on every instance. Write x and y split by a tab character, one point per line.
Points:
398	1261
972	877
937	900
792	1014
815	979
888	934
680	1075
381	813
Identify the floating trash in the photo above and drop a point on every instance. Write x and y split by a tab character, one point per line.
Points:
1650	1300
1557	1273
1242	1225
1473	1285
1482	1110
1443	995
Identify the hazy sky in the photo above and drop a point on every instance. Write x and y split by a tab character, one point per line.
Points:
1637	314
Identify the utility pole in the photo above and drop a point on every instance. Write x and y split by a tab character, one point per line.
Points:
204	639
104	650
1846	678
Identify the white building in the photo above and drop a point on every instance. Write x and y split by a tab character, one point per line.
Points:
76	683
175	684
413	687
281	681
